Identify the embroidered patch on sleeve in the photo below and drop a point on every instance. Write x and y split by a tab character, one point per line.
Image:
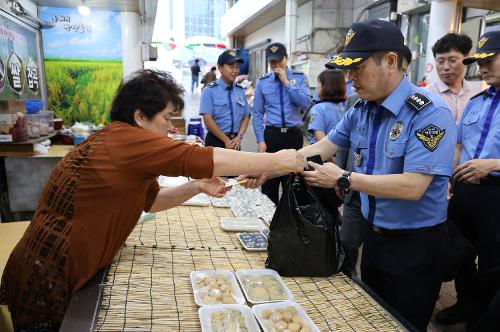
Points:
430	136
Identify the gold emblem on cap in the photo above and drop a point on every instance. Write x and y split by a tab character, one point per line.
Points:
349	36
232	53
340	61
274	49
482	41
482	55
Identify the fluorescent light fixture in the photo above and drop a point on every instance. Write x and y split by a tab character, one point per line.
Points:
83	9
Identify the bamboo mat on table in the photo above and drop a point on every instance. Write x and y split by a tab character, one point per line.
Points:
148	286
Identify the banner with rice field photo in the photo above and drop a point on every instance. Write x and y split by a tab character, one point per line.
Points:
83	63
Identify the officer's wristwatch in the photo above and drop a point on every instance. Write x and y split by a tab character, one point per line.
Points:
344	182
240	136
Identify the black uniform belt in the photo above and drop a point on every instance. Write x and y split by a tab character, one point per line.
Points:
495	180
284	130
399	232
230	135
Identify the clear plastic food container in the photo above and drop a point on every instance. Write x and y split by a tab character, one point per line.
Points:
215	287
283	316
227	318
263	285
34	125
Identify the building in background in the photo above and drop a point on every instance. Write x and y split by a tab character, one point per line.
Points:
314	30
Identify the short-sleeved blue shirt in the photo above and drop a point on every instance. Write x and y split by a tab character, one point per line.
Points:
226	104
281	104
482	110
397	137
324	117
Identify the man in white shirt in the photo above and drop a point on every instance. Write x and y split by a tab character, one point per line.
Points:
449	51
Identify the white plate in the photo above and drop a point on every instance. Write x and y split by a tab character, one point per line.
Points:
172	181
220	202
205	314
194	275
241	224
253	241
241	274
258	309
198	200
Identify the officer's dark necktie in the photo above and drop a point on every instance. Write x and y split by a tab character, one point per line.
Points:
377	121
230	102
487	124
282	102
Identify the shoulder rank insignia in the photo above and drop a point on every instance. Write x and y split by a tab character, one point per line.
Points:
418	101
479	94
264	76
430	136
238	84
298	72
358	103
212	84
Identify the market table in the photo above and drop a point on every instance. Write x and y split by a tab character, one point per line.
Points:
10	234
148	288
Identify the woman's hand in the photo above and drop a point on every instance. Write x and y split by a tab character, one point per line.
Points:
290	161
254	180
215	187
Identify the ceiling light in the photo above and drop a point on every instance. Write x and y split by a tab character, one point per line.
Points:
83	9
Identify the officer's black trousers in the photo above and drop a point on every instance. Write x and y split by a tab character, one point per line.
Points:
476	213
276	141
212	140
406	270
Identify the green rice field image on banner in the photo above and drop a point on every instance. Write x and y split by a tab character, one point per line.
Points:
83	63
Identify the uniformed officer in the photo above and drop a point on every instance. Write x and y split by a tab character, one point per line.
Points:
402	141
474	205
327	112
224	105
279	95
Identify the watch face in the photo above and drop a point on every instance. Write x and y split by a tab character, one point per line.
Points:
343	183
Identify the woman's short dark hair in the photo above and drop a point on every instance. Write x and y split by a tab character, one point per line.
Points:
332	84
147	90
452	41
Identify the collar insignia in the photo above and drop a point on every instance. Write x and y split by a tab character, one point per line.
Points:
349	36
396	130
430	136
482	41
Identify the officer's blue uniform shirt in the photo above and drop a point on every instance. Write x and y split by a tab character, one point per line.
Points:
324	117
397	138
225	104
472	126
279	103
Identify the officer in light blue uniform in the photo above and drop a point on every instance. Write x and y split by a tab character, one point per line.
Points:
224	106
327	112
402	140
474	204
324	117
279	96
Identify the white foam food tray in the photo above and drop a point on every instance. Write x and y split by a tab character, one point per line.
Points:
253	241
226	318
283	316
215	287
263	285
241	224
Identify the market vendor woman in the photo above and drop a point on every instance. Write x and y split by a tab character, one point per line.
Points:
96	194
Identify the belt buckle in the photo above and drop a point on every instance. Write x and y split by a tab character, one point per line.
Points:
284	130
